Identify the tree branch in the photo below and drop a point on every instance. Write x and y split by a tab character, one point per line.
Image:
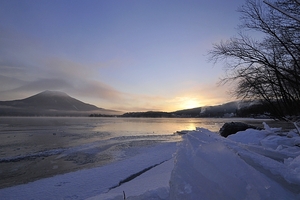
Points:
282	11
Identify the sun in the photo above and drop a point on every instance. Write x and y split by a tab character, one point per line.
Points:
191	103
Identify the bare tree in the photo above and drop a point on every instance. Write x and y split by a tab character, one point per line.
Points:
267	69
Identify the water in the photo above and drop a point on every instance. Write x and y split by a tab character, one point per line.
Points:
23	135
36	147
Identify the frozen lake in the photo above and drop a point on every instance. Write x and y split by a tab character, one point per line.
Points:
32	148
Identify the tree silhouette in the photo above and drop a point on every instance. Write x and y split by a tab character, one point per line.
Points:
268	68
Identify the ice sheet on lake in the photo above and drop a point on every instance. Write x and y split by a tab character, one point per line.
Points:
91	182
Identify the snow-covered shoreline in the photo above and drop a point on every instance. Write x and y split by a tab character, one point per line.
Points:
251	164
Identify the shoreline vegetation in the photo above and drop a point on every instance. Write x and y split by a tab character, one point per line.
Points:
227	110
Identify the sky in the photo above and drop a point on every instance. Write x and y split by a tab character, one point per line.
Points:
126	55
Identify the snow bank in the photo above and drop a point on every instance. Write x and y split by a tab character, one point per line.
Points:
251	164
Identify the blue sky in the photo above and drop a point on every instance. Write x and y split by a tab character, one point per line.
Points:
128	55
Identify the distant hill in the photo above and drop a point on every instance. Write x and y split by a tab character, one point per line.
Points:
192	112
50	103
148	114
231	109
223	110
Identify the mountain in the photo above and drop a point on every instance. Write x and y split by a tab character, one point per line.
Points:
54	100
50	103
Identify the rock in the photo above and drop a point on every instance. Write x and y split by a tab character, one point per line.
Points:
183	132
233	127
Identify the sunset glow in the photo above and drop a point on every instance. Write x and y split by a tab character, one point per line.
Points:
191	103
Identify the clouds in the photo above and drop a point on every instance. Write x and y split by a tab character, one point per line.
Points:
56	74
26	68
23	74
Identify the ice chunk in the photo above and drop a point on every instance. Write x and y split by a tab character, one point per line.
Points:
249	136
294	164
269	129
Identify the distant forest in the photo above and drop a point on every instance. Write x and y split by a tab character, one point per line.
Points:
220	111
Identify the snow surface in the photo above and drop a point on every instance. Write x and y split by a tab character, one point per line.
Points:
92	182
251	164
